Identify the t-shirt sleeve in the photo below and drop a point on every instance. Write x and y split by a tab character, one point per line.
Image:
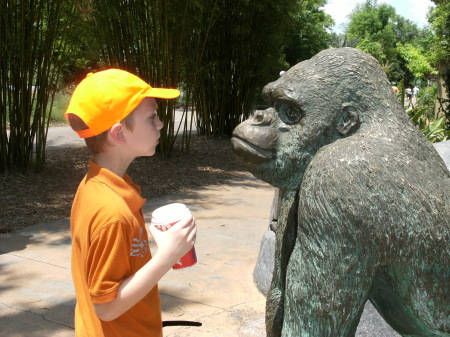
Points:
108	261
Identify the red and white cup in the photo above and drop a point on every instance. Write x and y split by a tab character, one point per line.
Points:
165	217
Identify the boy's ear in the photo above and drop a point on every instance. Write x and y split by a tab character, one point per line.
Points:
117	133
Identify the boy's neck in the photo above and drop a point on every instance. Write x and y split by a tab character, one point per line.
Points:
116	164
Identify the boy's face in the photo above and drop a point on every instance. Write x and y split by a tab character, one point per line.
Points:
144	137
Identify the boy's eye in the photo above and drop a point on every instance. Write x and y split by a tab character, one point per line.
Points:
289	114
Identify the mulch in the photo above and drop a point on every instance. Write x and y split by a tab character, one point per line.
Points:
32	198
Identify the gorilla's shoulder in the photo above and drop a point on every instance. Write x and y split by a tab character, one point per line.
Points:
356	149
361	159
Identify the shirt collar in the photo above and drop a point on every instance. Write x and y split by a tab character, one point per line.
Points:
124	187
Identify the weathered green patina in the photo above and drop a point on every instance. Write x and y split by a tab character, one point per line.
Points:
364	202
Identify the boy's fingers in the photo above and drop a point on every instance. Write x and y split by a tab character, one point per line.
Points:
154	231
185	222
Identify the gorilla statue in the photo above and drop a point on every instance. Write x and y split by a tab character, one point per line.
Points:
364	202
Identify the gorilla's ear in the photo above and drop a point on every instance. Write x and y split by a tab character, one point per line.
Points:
349	120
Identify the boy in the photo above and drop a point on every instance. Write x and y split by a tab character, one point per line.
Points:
114	274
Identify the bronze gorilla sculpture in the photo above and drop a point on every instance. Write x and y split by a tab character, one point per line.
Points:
364	202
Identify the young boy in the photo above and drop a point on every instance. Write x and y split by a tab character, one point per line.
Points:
114	274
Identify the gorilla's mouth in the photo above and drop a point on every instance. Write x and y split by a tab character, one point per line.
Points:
248	153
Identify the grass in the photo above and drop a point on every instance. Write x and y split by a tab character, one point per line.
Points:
60	105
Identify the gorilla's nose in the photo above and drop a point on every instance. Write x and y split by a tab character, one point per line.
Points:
254	140
263	117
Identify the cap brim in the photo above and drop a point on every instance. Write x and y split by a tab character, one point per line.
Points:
163	93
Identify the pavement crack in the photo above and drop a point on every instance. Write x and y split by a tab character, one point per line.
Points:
27	258
187	300
36	314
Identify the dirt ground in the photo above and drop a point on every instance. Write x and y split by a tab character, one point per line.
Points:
28	199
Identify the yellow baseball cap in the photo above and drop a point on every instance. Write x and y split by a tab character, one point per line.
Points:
105	98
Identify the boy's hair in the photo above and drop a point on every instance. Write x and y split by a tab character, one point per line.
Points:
97	144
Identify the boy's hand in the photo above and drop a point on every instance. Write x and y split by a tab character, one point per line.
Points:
177	240
172	244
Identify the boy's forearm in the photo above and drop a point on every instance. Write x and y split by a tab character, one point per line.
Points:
134	288
172	244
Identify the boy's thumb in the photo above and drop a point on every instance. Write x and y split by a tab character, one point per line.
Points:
154	231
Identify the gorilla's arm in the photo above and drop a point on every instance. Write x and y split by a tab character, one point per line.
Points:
330	271
285	239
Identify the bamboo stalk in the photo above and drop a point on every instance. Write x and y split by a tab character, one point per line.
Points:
29	74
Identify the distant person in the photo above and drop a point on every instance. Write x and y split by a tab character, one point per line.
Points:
394	87
114	273
408	94
415	93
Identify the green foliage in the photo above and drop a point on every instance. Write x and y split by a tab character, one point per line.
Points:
83	50
309	32
423	116
433	129
416	61
373	48
427	96
376	23
220	53
242	53
60	104
439	18
377	29
32	52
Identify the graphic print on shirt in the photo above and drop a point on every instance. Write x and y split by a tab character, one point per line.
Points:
139	246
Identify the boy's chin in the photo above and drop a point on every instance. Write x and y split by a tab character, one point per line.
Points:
150	153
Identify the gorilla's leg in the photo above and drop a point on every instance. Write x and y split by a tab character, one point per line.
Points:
328	283
398	294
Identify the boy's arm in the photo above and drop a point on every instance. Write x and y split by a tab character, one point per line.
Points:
172	244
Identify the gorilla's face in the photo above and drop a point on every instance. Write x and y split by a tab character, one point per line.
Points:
278	143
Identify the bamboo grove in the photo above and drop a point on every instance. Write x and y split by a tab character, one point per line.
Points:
207	49
32	45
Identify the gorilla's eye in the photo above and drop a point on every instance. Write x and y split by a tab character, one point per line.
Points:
289	114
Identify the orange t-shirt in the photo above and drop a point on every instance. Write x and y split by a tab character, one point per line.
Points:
110	243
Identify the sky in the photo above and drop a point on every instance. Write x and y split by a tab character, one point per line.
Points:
415	10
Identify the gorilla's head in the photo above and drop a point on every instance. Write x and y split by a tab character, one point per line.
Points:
316	102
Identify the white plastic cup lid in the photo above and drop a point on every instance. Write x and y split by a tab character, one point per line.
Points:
169	214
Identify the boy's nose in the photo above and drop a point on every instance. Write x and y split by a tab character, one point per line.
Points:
160	124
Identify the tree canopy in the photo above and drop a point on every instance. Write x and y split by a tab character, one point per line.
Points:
416	60
396	42
309	32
